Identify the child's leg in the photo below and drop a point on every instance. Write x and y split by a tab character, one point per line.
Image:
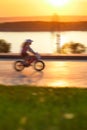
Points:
29	59
25	57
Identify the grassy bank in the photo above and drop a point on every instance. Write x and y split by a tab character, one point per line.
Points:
37	108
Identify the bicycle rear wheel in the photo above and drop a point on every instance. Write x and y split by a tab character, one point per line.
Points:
39	65
18	65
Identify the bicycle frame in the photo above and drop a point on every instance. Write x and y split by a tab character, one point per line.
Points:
32	59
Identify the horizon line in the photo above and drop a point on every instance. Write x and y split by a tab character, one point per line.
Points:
55	17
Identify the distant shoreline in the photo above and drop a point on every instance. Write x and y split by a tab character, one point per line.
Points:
43	26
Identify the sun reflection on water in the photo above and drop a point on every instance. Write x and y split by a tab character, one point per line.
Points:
60	83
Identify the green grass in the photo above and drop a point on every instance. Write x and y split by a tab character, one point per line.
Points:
37	108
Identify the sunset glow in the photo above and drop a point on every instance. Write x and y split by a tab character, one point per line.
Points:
58	2
23	8
60	83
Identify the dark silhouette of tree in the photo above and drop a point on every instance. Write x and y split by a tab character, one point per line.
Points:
74	48
4	46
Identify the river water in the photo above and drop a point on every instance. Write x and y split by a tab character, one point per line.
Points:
44	42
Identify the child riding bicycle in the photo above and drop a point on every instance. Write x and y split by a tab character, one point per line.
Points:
38	63
25	51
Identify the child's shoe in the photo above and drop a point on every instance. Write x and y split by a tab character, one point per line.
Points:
26	64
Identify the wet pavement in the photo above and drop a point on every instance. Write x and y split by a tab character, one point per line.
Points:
55	74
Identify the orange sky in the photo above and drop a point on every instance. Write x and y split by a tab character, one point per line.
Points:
11	8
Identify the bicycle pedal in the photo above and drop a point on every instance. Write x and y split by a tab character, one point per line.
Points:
26	65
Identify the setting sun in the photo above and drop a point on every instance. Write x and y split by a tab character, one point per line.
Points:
58	2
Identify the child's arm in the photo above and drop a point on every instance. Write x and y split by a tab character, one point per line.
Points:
31	50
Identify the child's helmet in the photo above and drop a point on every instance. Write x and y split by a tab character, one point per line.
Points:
29	40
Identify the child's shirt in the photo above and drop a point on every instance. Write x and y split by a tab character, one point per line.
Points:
26	49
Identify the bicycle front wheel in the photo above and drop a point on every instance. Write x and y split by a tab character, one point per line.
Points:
39	65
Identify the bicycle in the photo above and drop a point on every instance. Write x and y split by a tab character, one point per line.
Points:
36	62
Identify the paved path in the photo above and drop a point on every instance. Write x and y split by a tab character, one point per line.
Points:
55	74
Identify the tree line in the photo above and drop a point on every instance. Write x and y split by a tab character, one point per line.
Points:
67	48
43	26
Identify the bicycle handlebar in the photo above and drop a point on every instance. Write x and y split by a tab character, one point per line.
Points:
38	56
